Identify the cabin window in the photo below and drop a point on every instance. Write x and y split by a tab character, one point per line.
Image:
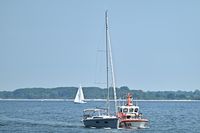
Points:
131	110
136	110
106	122
119	109
125	110
97	121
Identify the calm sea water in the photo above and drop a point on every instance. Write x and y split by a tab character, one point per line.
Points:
64	117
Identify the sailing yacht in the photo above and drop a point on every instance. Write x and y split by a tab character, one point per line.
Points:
98	117
79	96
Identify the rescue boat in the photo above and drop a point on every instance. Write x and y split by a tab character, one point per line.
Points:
129	115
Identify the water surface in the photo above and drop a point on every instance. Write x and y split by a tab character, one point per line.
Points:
65	117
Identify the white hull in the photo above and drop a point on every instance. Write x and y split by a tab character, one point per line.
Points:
102	123
80	102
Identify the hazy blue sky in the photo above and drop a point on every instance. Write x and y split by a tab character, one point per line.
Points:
50	43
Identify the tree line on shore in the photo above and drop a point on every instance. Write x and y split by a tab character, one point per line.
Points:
97	93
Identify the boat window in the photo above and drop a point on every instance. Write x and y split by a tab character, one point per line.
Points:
125	110
106	122
97	121
131	110
136	110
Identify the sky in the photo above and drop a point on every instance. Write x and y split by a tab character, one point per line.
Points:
53	43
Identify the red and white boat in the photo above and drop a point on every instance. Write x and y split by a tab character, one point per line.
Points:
129	115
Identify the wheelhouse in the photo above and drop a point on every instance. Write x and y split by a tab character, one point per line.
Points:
128	109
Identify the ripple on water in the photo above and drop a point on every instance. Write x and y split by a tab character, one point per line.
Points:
173	117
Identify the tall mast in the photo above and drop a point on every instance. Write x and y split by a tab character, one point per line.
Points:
107	62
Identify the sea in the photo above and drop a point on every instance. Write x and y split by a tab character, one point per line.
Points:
44	116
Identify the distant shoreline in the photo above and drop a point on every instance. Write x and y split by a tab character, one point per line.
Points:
95	100
98	94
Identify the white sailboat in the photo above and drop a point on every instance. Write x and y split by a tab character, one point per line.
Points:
99	117
79	96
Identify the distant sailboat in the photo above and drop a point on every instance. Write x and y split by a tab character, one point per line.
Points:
79	96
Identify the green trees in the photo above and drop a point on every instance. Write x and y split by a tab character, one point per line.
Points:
97	93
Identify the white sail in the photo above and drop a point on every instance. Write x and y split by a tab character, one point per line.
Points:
79	96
